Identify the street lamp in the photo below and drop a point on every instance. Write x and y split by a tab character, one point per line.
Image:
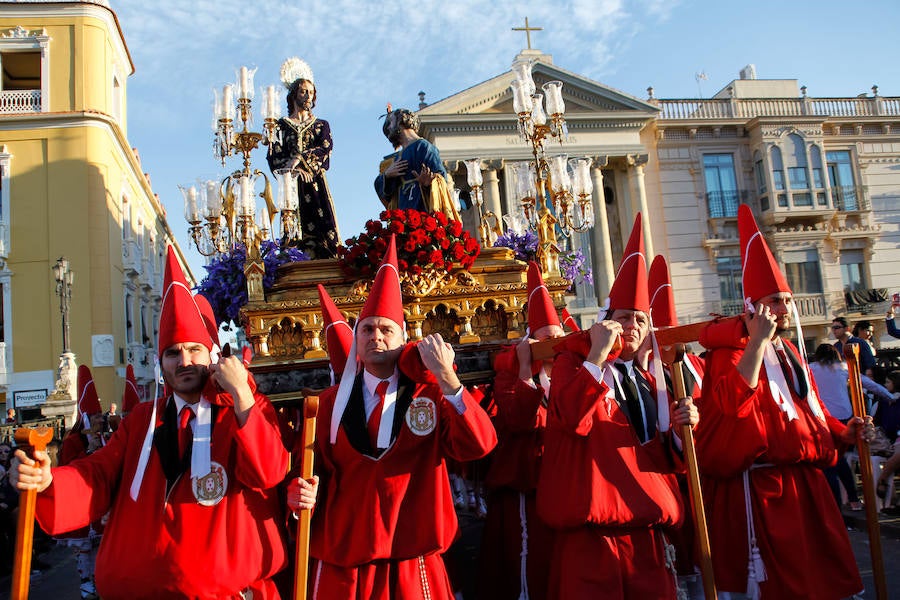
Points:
64	278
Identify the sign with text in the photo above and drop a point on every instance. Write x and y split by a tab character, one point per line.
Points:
29	398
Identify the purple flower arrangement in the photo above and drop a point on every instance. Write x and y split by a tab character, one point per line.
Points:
225	285
524	245
572	264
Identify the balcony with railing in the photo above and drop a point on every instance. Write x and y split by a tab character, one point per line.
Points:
132	257
815	203
20	101
813	307
849	198
724	204
748	108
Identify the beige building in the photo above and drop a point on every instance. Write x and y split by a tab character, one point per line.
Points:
821	174
72	186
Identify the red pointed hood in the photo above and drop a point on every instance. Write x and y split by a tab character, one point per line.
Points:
761	275
629	290
338	334
541	311
385	299
130	397
662	296
209	317
88	400
180	318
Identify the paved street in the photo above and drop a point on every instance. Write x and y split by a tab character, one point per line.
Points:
60	582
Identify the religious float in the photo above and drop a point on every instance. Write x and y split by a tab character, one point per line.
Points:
455	282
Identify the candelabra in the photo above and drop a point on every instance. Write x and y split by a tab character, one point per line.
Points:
553	192
223	212
486	232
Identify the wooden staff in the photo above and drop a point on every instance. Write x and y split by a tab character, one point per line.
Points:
693	479
681	334
301	556
851	353
37	439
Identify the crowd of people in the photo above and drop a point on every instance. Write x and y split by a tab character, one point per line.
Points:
585	489
195	494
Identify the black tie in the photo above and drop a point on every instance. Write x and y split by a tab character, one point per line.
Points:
632	402
647	398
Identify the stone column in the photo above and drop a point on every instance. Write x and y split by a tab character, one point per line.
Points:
492	188
636	164
601	256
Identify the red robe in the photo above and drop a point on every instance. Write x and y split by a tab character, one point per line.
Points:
159	547
607	494
512	481
381	524
800	533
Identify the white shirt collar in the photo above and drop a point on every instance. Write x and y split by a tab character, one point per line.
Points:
371	382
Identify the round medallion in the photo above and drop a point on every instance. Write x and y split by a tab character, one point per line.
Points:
210	488
421	416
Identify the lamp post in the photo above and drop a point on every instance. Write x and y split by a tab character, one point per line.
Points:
64	279
62	401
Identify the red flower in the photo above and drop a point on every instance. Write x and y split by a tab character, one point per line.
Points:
414	219
380	245
422	257
441	219
445	243
458	251
396	227
440	233
402	264
471	245
383	215
436	255
454	228
409	246
415	270
429	223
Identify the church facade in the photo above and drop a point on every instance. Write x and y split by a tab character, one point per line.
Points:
820	174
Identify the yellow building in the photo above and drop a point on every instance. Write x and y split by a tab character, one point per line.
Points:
72	186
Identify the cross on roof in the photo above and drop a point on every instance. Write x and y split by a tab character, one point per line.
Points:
528	31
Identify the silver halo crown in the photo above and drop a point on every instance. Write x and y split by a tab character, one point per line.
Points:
293	69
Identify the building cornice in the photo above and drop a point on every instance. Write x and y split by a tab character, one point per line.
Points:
96	9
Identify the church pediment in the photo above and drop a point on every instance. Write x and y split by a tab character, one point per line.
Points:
581	95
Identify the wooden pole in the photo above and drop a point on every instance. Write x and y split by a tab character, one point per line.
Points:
301	564
37	439
693	479
851	353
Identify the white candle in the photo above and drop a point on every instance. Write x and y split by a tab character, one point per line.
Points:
270	101
246	189
227	102
245	83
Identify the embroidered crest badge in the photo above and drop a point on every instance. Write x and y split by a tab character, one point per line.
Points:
421	416
209	489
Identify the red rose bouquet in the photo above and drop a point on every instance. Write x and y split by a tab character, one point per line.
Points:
425	241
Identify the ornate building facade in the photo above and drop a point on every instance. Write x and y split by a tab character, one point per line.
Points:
72	186
820	174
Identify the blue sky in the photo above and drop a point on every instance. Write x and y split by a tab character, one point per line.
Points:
365	54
